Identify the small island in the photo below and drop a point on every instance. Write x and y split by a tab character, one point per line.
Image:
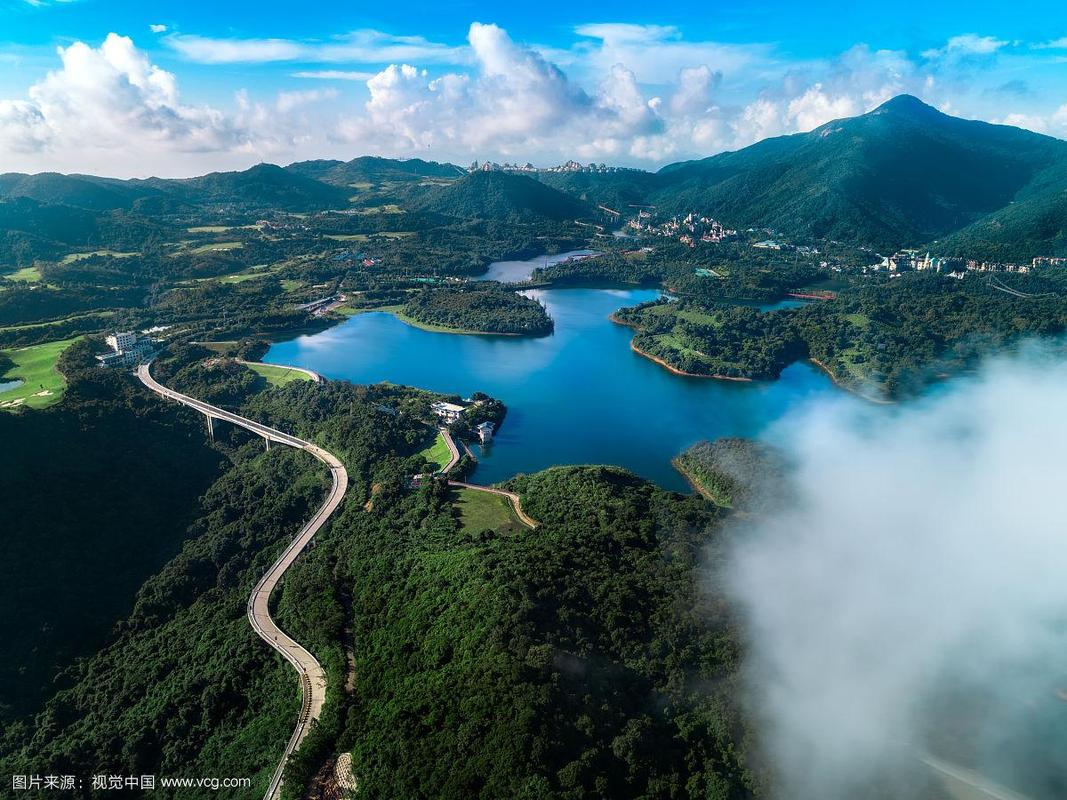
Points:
481	310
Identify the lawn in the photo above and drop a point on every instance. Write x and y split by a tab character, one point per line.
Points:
212	247
209	229
479	511
42	385
437	452
278	376
70	258
26	275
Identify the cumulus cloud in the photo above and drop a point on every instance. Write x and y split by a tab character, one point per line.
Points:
108	108
631	94
157	28
907	615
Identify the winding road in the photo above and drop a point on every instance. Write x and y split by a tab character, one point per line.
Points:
312	675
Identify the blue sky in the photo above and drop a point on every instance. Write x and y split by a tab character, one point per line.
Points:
179	88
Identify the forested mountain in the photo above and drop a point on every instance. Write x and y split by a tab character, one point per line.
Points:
500	195
901	175
81	191
373	169
1035	224
262	186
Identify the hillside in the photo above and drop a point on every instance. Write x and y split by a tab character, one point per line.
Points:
1035	224
373	169
900	175
502	196
262	186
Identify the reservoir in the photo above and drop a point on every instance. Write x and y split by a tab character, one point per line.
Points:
517	271
579	396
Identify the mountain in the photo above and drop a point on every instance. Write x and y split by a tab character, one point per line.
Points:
501	195
373	169
902	174
80	191
260	187
1034	224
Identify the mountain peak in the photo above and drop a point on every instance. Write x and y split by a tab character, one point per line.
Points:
905	104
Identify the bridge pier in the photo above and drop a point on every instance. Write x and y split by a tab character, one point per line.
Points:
266	441
210	427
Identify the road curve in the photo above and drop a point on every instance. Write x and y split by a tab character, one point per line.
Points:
312	675
526	519
453	451
316	377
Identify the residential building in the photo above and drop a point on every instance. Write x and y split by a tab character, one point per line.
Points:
485	431
446	412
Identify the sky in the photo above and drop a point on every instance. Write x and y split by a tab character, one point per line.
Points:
182	88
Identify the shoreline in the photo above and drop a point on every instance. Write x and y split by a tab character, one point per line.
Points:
431	328
845	388
694	484
683	373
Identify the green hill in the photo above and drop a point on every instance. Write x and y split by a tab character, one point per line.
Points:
900	175
260	187
502	196
373	169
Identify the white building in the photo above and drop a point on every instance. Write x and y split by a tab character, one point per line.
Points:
447	412
485	431
128	349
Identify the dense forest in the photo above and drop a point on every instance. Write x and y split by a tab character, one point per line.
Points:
741	474
890	338
487	310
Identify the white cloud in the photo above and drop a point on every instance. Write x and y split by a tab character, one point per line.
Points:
966	45
1055	44
110	108
334	75
631	94
911	600
364	47
156	28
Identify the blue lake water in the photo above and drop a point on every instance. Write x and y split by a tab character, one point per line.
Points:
515	271
6	386
579	396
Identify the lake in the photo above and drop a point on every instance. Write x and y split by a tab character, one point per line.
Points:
579	396
6	386
516	271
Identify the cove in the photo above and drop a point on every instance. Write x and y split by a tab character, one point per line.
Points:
518	271
579	396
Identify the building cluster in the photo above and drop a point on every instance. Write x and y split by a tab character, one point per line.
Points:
914	260
528	168
128	349
451	412
688	230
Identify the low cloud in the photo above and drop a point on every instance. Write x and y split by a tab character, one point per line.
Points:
907	617
968	45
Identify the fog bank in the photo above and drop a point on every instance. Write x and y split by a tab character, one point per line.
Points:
912	602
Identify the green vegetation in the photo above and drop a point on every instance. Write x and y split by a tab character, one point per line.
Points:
42	383
734	473
479	310
885	339
717	340
70	258
436	453
25	275
97	494
485	511
278	376
503	196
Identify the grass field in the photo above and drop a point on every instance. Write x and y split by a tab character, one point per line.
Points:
216	246
437	453
209	229
278	376
70	258
26	275
42	385
481	510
